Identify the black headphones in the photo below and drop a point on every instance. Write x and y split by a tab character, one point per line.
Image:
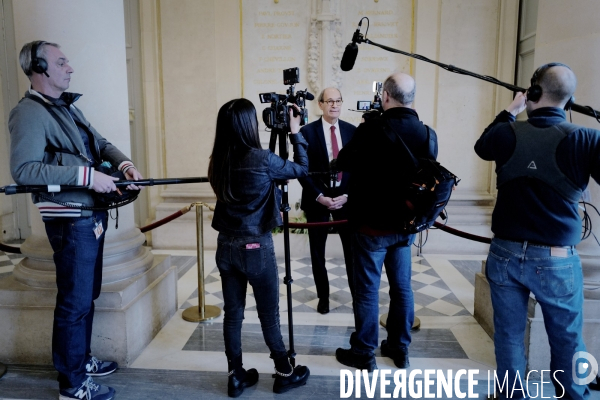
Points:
534	93
38	65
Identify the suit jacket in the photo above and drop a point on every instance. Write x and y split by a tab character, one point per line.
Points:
318	161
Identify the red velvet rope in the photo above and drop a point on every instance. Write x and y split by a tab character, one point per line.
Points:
442	227
163	221
445	228
462	234
9	249
316	224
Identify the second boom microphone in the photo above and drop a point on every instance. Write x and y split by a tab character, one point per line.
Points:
349	57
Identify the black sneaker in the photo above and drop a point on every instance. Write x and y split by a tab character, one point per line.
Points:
400	358
350	359
88	390
296	378
95	367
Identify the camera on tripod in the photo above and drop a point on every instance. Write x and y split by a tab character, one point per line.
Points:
372	108
277	115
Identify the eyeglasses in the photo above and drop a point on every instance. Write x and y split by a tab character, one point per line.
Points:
337	102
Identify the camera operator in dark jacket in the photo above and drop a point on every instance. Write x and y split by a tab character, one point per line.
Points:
243	177
380	172
543	166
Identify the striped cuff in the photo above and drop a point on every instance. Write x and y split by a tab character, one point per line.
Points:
85	177
125	165
49	209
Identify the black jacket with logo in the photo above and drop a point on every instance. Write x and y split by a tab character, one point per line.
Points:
381	168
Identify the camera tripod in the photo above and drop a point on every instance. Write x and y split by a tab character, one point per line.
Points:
281	135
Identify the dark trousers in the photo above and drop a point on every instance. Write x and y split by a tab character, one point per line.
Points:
242	261
78	259
317	237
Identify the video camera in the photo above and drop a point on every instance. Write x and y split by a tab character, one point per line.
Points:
372	108
277	115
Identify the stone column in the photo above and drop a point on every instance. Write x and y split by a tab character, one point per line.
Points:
139	291
325	46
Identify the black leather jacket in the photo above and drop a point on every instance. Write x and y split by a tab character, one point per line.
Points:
256	210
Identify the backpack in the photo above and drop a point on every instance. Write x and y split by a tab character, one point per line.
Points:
429	187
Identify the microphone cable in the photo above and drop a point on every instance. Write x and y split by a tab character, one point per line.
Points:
420	245
587	221
367	30
433	227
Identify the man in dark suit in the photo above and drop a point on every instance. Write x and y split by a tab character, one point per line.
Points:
324	196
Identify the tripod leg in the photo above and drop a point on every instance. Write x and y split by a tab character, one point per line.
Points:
278	134
287	280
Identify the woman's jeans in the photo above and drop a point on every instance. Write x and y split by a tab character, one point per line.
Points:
243	260
554	276
78	259
370	254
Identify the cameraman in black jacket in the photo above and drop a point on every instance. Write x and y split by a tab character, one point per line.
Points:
380	174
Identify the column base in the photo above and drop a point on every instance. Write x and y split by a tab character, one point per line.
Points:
128	315
538	346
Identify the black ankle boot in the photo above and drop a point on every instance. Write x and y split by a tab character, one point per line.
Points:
287	378
239	378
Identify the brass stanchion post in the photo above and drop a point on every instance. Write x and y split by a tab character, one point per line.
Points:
415	327
201	312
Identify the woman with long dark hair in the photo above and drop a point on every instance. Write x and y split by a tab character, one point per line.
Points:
243	176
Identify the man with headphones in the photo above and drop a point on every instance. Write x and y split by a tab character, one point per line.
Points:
543	165
52	143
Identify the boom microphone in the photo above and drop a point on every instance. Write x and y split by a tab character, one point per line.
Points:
351	51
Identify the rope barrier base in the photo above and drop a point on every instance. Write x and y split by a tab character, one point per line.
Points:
2	369
416	324
194	314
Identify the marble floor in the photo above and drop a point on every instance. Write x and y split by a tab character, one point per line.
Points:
443	290
186	360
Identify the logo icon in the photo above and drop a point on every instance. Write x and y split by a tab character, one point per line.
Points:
585	368
532	165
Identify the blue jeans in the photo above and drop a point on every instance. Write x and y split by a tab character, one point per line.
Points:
78	259
243	260
514	269
370	254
